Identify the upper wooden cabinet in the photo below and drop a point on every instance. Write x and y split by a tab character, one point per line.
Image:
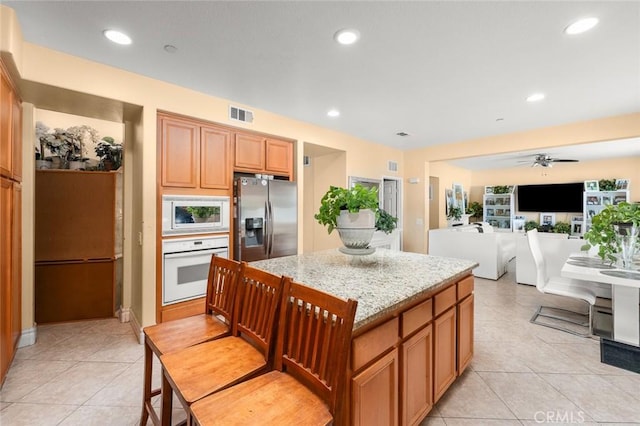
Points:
6	124
255	153
194	155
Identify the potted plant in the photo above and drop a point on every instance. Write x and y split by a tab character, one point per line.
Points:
475	210
110	153
354	212
78	136
531	224
561	228
455	213
622	216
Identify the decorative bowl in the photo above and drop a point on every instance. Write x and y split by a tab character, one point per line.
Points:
356	238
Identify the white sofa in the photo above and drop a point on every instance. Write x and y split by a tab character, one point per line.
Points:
556	249
491	250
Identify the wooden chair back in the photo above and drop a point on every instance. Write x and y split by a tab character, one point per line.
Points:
222	286
257	307
314	336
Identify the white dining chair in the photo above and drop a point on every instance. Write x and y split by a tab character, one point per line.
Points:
560	286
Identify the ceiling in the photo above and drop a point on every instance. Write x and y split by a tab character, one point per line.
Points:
440	71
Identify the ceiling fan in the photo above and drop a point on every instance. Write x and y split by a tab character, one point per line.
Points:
545	160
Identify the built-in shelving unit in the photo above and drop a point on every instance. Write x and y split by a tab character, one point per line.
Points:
499	208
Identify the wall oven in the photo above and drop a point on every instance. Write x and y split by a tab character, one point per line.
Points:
186	214
185	266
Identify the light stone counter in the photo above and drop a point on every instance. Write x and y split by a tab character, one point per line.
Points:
381	282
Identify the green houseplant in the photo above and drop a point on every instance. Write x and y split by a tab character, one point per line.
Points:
455	213
385	222
561	228
531	224
602	232
338	199
110	153
475	209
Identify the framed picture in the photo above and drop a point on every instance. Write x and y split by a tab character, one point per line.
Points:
547	219
593	200
591	185
622	183
606	200
458	196
518	224
448	197
488	189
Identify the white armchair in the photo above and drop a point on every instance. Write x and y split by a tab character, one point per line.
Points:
491	250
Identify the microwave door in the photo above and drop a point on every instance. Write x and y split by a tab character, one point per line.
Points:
251	228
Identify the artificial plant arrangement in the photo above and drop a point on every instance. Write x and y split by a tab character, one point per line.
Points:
338	199
110	153
68	144
602	232
607	184
531	224
561	228
475	209
454	212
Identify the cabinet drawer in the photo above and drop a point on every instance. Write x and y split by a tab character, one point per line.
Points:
444	300
416	317
373	343
465	287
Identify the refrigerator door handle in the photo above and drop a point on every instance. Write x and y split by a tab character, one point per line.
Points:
270	229
266	229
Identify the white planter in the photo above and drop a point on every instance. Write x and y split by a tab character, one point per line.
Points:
365	218
77	165
43	164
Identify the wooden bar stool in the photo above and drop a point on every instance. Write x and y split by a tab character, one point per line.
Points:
201	370
307	386
166	337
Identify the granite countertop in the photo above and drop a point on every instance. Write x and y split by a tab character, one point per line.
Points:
380	282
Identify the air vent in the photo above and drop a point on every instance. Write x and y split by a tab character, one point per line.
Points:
306	161
392	166
240	114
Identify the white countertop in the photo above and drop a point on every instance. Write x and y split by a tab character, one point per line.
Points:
380	282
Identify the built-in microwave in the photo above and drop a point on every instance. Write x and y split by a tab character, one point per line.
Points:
199	214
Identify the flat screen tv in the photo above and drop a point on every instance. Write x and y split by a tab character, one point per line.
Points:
552	198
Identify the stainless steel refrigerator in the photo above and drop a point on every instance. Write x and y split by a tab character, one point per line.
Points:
266	216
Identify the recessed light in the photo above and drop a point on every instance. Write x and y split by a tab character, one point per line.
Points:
402	134
117	36
333	113
535	97
499	119
581	26
347	36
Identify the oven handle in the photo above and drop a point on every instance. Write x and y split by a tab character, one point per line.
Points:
191	253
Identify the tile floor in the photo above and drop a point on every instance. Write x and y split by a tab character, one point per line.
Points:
90	373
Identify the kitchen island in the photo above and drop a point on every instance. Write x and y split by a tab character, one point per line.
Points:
413	331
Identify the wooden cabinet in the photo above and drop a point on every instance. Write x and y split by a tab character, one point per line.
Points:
465	333
10	221
76	258
215	172
444	352
255	153
401	367
417	377
375	393
193	155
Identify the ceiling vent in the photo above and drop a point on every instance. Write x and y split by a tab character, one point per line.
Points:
240	114
392	166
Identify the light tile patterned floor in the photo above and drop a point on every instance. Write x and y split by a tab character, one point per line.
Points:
90	373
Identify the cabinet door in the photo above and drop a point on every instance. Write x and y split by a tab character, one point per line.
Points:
375	393
249	152
444	354
465	333
16	139
6	314
6	107
279	157
16	265
214	158
179	153
417	377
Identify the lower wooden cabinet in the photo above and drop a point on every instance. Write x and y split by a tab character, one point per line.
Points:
417	377
68	291
402	367
444	352
465	333
375	393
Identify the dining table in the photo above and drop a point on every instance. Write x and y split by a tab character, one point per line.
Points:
625	291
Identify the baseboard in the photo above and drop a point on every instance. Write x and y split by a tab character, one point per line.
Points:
123	314
28	337
620	355
135	325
